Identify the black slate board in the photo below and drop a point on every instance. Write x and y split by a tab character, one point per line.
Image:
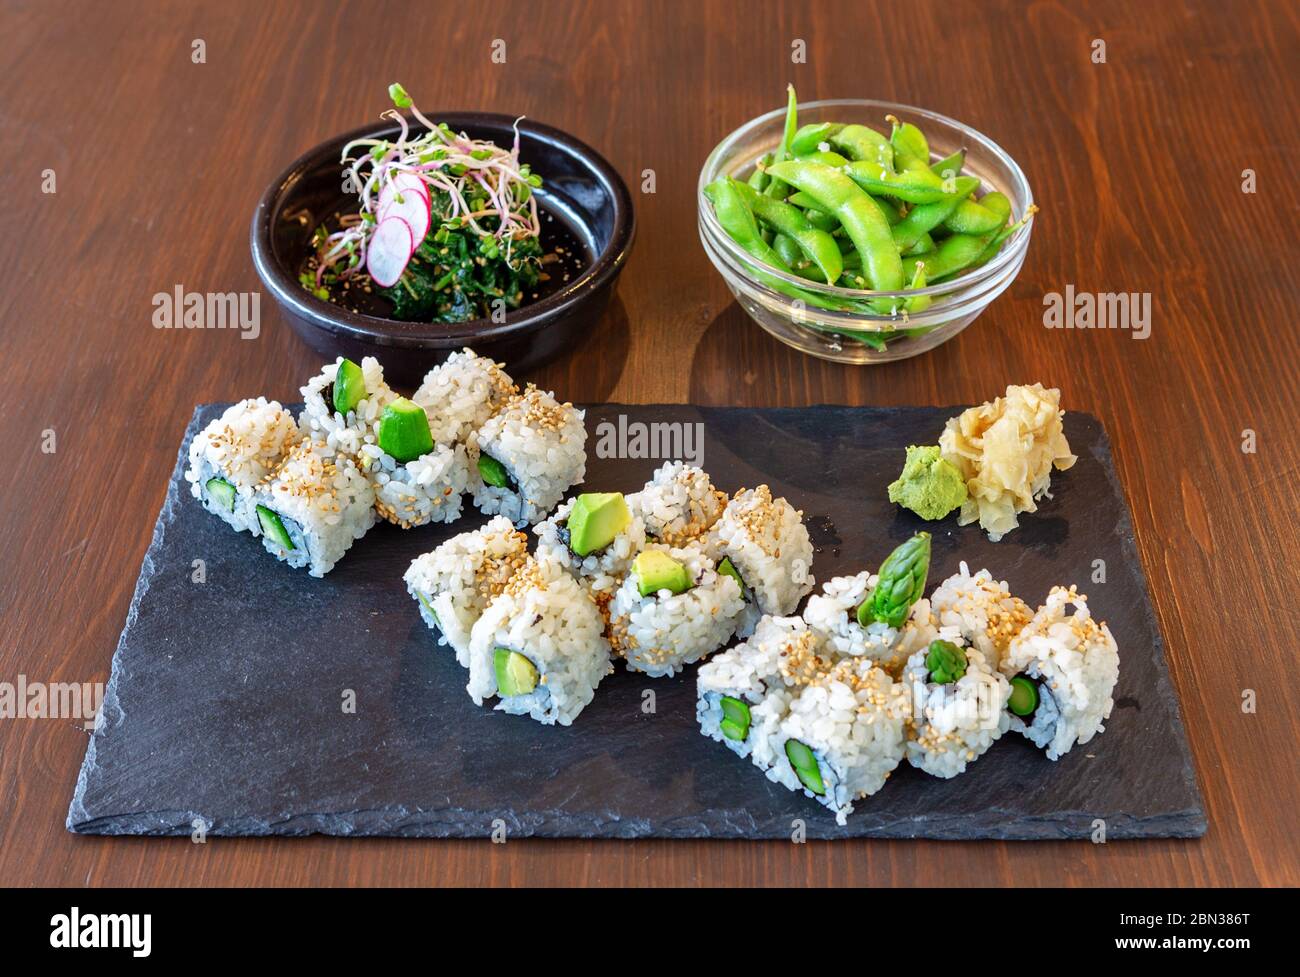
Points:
224	707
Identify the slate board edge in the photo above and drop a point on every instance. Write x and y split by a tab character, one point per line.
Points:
110	709
448	823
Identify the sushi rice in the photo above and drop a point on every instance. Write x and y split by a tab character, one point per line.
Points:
454	583
953	724
241	448
542	445
460	394
429	489
981	609
769	546
833	613
544	615
662	633
1075	662
338	433
751	673
852	718
324	504
678	505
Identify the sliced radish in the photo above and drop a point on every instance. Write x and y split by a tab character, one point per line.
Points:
389	251
412	208
402	183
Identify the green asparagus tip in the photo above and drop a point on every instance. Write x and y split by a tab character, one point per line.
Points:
945	661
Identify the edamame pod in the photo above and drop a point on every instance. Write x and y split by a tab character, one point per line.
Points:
911	148
789	222
926	217
862	142
949	165
955	253
862	219
914	186
809	138
774	188
978	217
917	303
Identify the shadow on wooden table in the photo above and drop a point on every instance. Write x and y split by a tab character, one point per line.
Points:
590	372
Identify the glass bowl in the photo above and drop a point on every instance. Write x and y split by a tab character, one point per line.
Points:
853	336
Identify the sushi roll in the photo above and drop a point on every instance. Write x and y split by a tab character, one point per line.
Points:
539	647
455	582
342	404
981	610
834	614
415	480
673	608
313	508
528	455
742	693
765	541
595	537
1062	669
461	393
880	616
842	736
232	455
678	505
958	707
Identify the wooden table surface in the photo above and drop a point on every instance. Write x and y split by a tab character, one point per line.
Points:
1138	165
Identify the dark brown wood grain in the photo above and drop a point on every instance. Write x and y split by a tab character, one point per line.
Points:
1137	164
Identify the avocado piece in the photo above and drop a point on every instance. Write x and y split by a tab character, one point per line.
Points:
655	570
494	473
728	569
1024	696
273	526
516	675
404	430
595	519
349	387
735	718
805	766
221	492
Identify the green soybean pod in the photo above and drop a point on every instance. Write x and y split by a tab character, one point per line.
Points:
997	240
789	251
914	186
972	217
923	243
926	217
803	201
889	209
863	142
950	165
911	148
827	157
790	223
774	188
917	303
822	220
863	221
810	137
759	178
738	221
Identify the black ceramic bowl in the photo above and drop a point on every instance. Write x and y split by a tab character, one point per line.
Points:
581	192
